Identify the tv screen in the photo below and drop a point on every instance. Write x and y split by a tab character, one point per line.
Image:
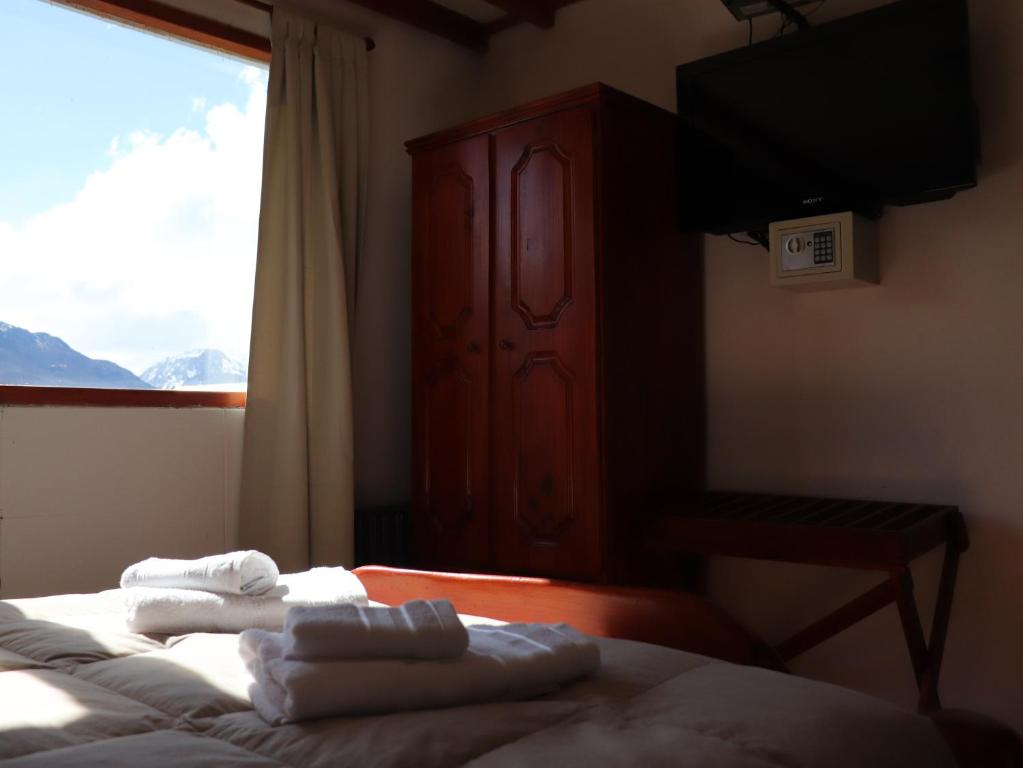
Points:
867	111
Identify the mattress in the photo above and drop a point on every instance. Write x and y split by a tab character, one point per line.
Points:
77	689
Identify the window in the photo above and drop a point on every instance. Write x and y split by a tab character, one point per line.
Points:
130	169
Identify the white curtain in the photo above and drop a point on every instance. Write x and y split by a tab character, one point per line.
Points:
297	474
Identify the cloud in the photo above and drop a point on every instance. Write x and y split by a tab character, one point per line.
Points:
253	76
156	253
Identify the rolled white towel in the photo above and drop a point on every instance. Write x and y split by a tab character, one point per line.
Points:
509	662
235	573
419	629
179	611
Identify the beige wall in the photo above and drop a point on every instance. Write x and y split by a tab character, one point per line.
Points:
910	390
84	492
418	84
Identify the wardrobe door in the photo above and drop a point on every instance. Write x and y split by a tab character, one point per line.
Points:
546	469
450	361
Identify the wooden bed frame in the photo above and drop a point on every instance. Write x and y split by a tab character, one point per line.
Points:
660	616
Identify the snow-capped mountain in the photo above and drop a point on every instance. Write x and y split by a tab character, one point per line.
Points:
196	368
40	359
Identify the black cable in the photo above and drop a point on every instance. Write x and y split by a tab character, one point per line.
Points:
785	21
820	4
750	22
786	8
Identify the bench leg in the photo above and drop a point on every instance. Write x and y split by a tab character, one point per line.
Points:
925	656
939	630
902	582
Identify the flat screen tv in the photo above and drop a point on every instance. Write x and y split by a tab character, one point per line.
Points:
871	110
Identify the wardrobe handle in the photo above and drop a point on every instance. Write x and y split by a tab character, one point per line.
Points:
505	344
473	348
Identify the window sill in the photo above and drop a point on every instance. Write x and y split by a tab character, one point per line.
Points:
118	398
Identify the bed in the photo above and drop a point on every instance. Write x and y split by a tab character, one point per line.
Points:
77	689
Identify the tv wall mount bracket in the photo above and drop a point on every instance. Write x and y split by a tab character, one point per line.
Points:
743	10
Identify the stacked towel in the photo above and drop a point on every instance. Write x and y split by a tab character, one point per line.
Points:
236	573
177	611
508	662
419	629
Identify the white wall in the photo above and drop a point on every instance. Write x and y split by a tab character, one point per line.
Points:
418	84
910	390
84	492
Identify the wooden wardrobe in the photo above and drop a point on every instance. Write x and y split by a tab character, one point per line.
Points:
557	336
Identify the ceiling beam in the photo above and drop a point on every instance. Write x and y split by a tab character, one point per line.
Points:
513	19
433	18
539	13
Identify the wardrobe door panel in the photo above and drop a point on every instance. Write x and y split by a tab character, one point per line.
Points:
546	468
450	305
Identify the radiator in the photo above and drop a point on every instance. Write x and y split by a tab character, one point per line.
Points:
381	536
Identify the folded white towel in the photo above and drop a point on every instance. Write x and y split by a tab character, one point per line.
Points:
509	662
236	573
419	629
177	611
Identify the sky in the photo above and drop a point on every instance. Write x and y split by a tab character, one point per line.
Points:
130	171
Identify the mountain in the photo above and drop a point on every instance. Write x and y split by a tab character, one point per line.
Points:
199	367
45	360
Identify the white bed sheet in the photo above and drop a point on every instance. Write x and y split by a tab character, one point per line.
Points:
76	689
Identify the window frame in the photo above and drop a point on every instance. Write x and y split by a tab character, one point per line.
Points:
27	395
149	16
152	16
